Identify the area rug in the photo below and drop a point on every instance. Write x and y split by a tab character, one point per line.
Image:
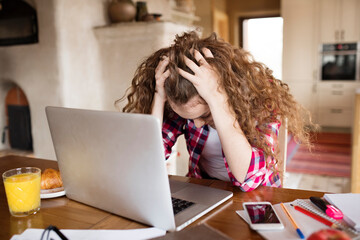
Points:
330	156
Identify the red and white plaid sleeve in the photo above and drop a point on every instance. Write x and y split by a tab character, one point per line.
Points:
258	174
171	129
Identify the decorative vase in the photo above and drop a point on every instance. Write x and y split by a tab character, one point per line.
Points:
121	11
141	11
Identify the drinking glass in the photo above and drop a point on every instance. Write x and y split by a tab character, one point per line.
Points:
22	187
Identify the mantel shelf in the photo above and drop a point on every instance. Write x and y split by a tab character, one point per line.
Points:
131	29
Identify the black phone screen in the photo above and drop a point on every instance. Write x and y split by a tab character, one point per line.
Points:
261	213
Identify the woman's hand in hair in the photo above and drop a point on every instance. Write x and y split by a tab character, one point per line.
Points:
236	147
205	79
161	74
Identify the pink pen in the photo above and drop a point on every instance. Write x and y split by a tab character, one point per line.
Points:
333	212
329	209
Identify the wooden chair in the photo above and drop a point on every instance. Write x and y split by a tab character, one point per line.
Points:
282	140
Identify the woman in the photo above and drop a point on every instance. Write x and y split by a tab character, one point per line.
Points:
228	106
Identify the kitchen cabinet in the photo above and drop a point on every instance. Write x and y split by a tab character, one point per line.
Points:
300	49
339	21
336	103
305	95
307	25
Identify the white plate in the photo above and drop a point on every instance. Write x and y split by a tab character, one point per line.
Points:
52	193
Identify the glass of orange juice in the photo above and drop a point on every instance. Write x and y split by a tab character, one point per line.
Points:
22	187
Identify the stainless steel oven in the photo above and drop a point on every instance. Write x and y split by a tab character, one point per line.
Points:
340	62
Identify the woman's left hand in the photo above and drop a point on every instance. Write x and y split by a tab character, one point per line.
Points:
205	79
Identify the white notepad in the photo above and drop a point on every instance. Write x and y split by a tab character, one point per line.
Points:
92	234
349	204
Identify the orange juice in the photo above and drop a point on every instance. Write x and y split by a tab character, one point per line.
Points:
23	193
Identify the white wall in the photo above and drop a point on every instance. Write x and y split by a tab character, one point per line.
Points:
69	66
123	47
79	62
35	69
63	69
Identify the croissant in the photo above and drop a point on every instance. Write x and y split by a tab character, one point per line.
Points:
51	178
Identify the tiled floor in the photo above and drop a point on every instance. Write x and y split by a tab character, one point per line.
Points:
317	182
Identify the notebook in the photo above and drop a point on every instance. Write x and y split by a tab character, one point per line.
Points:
308	205
115	162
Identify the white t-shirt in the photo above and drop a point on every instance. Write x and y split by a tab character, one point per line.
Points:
212	161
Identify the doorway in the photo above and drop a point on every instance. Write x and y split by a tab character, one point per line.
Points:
263	38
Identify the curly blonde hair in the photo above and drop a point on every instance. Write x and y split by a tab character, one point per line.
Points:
254	95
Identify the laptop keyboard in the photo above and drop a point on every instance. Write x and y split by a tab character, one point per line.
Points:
179	205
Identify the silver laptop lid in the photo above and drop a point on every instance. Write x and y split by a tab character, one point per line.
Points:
102	167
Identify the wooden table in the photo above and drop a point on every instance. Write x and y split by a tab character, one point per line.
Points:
67	214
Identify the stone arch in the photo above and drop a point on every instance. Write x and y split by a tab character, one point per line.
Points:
18	121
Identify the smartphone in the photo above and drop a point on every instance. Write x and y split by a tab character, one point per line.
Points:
262	216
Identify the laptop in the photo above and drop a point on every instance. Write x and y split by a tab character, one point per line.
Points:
115	162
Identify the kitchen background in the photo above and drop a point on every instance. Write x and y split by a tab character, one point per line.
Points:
83	60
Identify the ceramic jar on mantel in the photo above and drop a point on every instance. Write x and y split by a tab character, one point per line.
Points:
121	11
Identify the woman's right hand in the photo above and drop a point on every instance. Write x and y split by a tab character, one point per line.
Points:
161	74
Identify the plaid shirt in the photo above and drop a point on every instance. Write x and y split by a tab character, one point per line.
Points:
258	174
